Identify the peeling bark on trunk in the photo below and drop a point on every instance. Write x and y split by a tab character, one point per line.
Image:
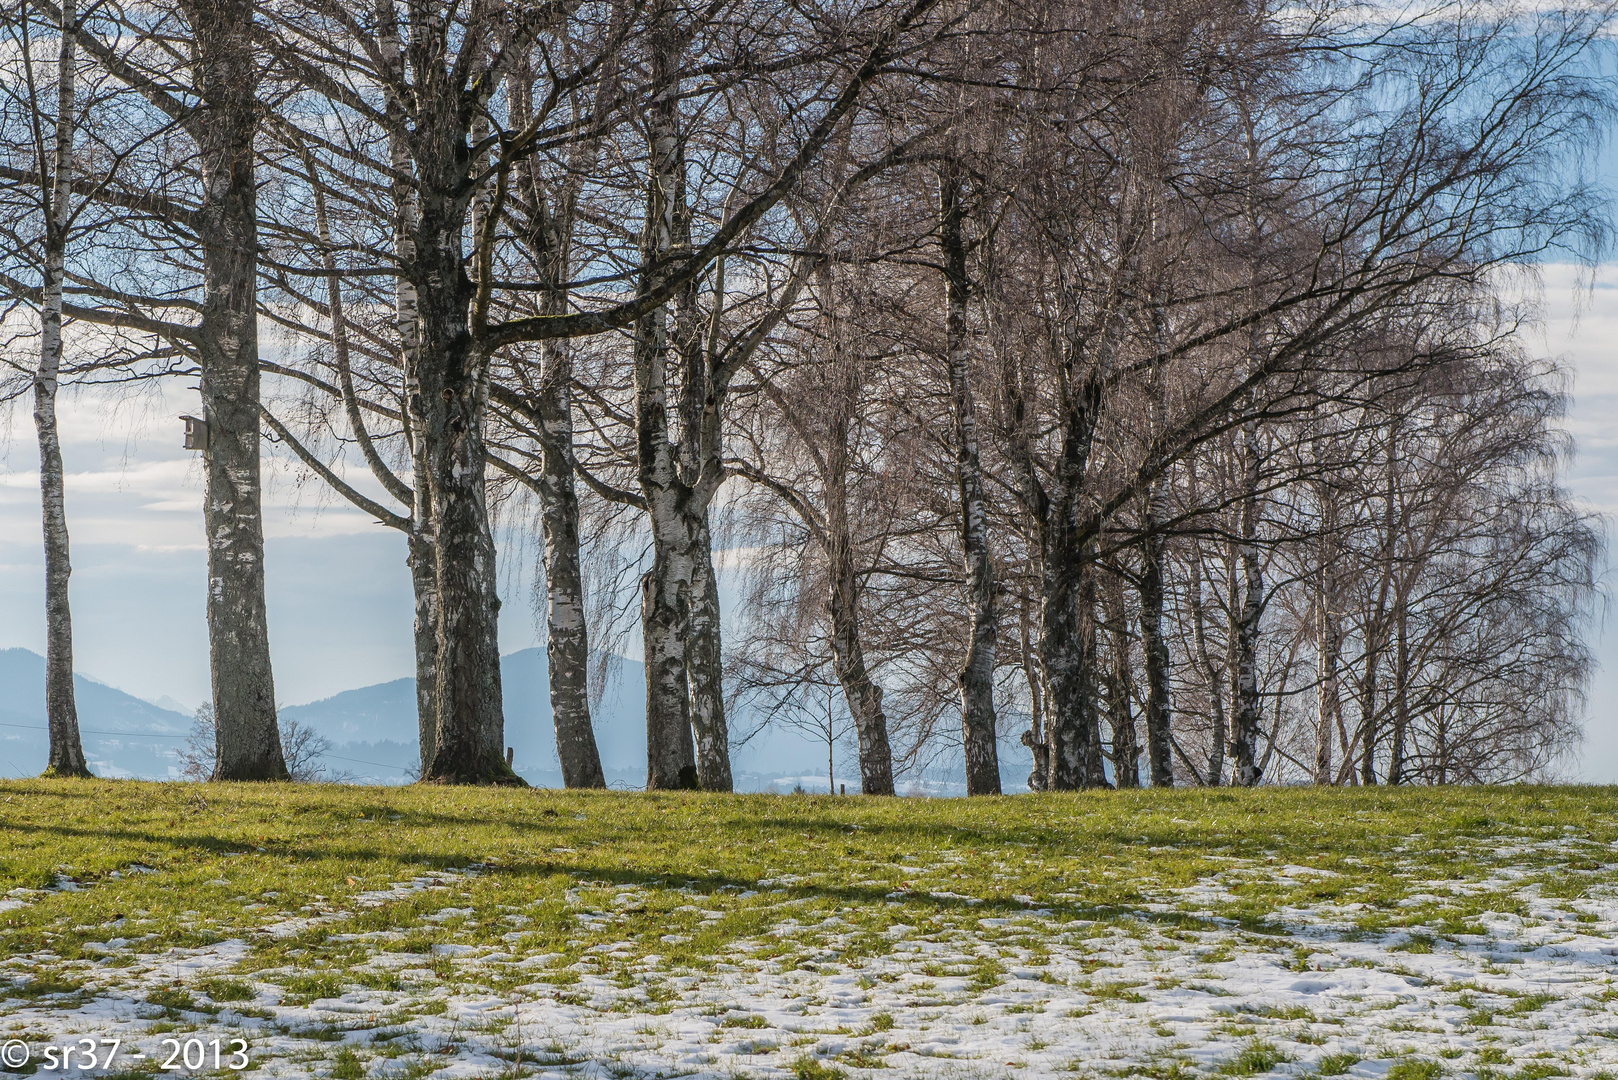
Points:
1244	737
666	587
671	761
453	395
226	80
863	696
1039	778
422	560
567	646
1216	683
448	378
1401	698
702	666
687	742
549	237
1155	648
1095	772
424	588
701	468
976	678
1328	704
66	756
1120	693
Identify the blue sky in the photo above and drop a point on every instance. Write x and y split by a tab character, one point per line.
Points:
339	597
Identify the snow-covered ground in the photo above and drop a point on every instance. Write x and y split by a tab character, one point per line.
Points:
1175	989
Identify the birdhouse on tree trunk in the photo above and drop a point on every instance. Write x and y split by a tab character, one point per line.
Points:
196	433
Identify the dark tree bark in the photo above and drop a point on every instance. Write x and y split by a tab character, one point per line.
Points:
1095	772
1328	705
863	696
451	380
1120	693
1155	649
548	235
225	67
976	677
447	374
567	645
1328	640
1401	698
1245	729
1211	672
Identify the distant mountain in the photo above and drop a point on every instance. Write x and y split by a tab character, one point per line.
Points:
122	735
372	730
386	713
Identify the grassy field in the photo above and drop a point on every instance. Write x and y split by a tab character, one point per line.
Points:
352	932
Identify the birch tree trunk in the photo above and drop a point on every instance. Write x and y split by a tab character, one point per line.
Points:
701	467
1070	703
66	756
450	402
422	559
226	82
1367	734
1216	684
1369	712
423	566
863	696
679	594
453	397
1095	773
976	678
1328	704
1120	706
549	236
702	665
1244	737
567	645
1155	648
666	587
1401	696
1039	777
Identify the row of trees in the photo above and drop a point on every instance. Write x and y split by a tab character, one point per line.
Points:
1119	371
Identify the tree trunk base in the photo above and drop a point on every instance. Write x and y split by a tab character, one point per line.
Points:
263	774
63	772
496	774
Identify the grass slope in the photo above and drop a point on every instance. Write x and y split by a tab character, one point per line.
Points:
348	932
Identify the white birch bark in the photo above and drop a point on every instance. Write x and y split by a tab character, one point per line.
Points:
421	559
66	756
226	70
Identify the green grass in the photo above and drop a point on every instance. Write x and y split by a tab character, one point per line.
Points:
299	850
222	989
808	1068
1256	1058
601	881
347	1065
